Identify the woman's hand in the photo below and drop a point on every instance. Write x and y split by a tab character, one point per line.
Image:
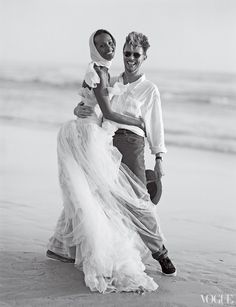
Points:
82	111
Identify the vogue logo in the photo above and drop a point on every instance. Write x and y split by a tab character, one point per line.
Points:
220	299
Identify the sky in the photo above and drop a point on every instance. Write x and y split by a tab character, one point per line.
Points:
183	34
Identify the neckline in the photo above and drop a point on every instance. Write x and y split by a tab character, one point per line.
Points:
140	78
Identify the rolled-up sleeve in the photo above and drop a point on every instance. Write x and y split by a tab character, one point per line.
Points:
152	115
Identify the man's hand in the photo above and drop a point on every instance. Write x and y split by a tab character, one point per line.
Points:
142	124
158	169
82	111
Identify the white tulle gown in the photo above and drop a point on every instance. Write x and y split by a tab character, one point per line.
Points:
96	227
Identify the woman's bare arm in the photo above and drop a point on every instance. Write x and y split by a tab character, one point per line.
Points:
101	94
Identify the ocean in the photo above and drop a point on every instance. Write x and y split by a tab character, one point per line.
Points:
199	108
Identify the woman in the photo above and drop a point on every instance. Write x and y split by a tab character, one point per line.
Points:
96	228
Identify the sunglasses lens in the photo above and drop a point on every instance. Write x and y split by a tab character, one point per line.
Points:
127	54
135	54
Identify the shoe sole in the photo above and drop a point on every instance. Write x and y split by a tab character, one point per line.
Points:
58	257
170	275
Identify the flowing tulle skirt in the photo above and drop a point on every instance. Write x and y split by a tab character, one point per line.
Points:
96	227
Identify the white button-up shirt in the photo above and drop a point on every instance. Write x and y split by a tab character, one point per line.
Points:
141	99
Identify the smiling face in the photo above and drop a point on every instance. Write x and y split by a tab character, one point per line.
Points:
105	46
133	58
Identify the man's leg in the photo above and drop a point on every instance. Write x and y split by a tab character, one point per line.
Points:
148	228
131	146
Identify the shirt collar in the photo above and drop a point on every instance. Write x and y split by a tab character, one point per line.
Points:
140	79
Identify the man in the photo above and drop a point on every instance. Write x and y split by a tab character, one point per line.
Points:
140	99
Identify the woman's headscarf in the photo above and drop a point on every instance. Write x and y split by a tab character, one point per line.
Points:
91	76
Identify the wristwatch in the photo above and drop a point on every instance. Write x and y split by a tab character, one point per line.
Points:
159	158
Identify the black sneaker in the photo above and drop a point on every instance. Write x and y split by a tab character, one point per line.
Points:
55	256
167	267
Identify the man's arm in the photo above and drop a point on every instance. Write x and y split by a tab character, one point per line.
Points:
158	165
101	94
152	115
82	111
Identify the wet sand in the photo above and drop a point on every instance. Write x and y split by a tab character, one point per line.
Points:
197	211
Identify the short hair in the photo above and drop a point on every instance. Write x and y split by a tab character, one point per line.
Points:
102	31
137	39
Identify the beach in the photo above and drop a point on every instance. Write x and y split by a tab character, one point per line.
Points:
197	212
186	49
197	208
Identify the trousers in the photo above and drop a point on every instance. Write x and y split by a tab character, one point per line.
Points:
131	146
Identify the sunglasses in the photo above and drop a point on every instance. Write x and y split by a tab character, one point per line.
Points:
127	54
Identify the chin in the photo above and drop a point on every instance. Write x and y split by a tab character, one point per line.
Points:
109	57
131	71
